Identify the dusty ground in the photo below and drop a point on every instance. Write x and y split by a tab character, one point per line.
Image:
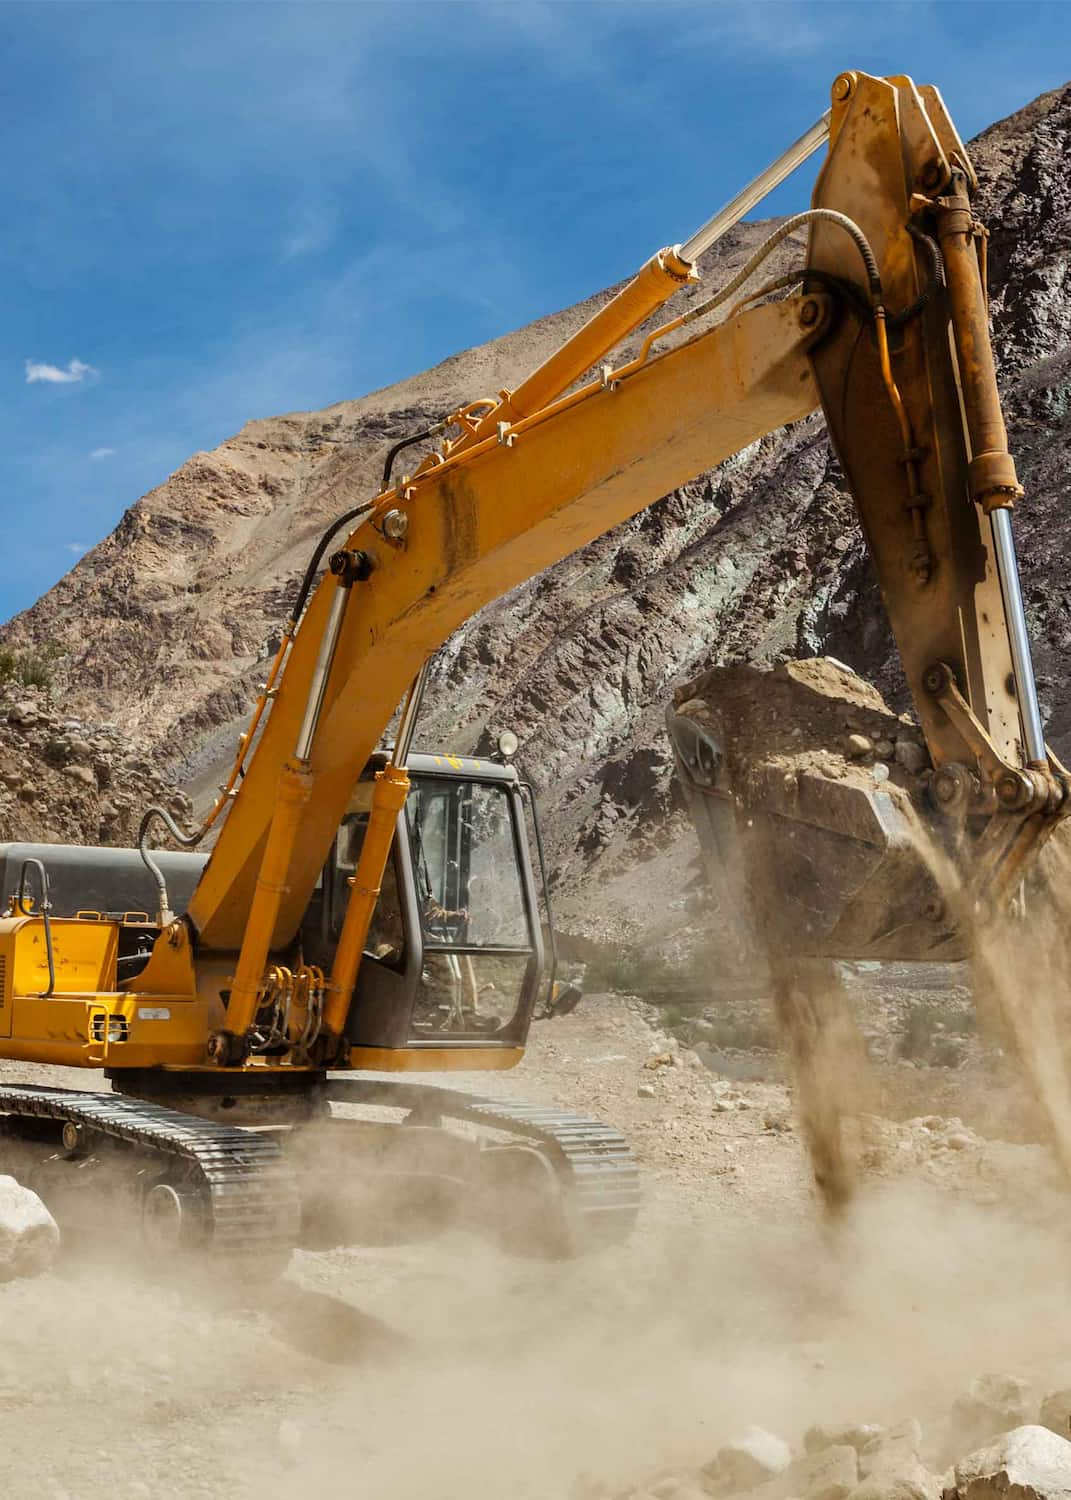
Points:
443	1370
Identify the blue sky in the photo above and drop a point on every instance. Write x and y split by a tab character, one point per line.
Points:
214	212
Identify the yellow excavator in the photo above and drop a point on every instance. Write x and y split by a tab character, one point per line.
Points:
366	915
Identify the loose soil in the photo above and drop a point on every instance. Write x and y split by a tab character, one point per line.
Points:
442	1369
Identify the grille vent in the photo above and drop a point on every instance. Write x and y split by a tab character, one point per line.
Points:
118	1028
3	980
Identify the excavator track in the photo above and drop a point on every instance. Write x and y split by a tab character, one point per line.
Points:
246	1202
242	1193
596	1175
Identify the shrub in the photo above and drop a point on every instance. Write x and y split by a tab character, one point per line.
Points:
34	667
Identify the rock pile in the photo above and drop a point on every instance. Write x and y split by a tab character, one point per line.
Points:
969	1453
68	780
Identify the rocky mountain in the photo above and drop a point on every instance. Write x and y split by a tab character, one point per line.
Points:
166	626
67	780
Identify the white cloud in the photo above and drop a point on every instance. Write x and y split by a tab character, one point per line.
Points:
76	370
99	453
76	547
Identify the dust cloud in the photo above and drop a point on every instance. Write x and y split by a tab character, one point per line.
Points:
443	1369
517	1382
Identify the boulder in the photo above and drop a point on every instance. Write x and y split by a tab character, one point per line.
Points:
1028	1463
830	1475
749	1461
891	1449
992	1404
911	755
29	1237
860	1436
890	1467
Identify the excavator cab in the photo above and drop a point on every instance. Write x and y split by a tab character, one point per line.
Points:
455	952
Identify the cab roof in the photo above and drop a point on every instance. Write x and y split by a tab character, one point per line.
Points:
445	763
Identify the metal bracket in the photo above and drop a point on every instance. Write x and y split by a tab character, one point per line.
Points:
1015	790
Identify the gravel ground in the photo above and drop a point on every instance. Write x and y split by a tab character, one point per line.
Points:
443	1369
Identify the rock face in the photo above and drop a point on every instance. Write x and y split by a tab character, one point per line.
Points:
167	624
29	1238
66	780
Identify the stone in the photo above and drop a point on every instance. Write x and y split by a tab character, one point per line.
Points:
646	1091
890	1467
891	1447
885	749
858	745
1028	1463
29	1236
991	1405
749	1461
918	1484
816	1439
81	774
1056	1412
959	1141
24	713
880	771
829	1475
911	756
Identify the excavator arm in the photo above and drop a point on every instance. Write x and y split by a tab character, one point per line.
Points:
888	333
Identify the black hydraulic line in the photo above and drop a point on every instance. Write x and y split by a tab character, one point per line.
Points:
935	283
408	442
321	547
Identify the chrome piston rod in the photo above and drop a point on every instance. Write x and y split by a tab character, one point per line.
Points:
324	661
756	191
1026	688
408	721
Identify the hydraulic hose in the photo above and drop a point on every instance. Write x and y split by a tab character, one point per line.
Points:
152	815
808	216
400	447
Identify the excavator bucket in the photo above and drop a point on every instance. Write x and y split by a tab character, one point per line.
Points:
810	799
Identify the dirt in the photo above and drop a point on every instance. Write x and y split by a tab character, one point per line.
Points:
443	1369
813	714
